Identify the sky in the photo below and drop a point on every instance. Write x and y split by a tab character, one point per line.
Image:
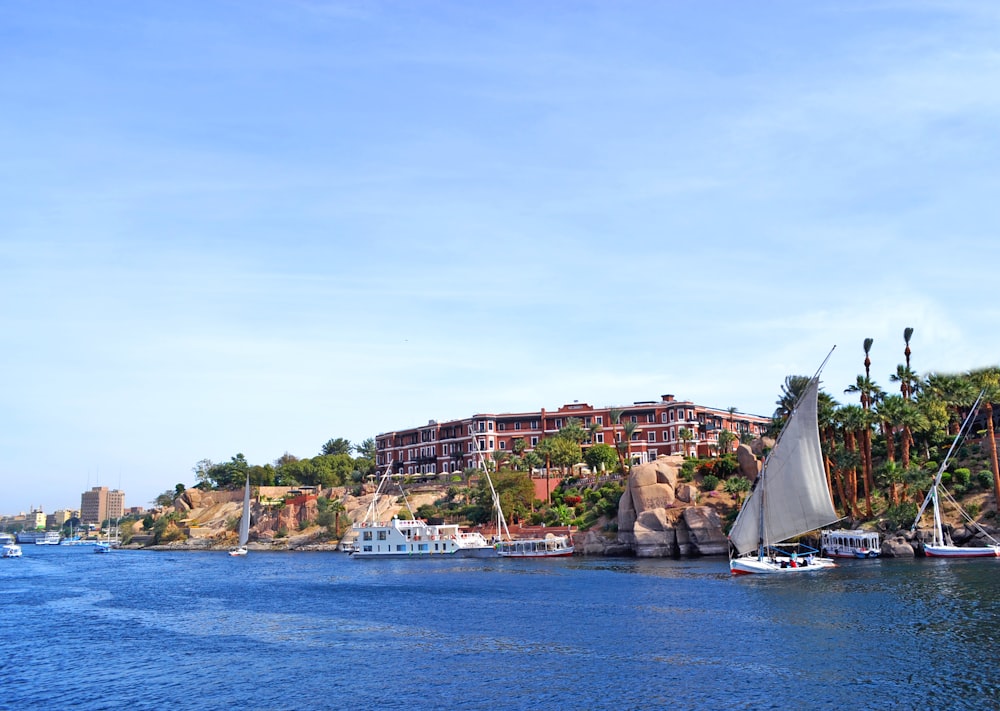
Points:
251	227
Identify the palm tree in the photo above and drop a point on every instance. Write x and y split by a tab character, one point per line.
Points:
889	411
988	381
686	436
852	421
869	393
615	415
629	428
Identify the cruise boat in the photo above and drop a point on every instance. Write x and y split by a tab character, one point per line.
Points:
850	544
409	538
551	546
40	538
413	538
11	550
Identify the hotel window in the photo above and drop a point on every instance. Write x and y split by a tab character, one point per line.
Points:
489	425
517	425
534	441
503	444
651	437
663	418
599	438
600	419
671	415
534	424
558	423
650	417
634	418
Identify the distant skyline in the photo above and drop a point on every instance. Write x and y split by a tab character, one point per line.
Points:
251	227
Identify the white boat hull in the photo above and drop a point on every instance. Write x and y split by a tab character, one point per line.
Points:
960	552
238	551
781	565
12	550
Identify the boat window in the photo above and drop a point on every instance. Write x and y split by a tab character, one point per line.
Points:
368	535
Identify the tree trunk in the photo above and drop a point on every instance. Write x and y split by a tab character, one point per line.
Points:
993	455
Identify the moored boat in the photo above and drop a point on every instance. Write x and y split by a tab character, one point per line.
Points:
409	538
551	546
850	544
939	546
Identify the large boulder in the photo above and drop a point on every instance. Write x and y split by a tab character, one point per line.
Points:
897	547
746	463
704	529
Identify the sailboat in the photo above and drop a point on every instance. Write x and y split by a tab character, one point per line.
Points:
790	497
938	548
549	546
241	549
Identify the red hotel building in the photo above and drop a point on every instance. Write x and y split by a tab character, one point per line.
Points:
442	447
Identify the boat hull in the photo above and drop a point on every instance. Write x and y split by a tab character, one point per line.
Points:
960	552
11	550
778	566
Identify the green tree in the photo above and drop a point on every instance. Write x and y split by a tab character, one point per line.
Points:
600	457
336	446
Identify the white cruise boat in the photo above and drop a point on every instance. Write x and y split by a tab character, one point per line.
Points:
403	538
11	550
413	538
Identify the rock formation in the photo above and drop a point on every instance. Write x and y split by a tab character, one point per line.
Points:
658	516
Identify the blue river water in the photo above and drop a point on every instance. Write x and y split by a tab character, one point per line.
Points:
199	630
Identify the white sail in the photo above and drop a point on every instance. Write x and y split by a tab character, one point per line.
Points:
245	521
791	496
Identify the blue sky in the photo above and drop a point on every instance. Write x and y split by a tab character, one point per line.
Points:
254	226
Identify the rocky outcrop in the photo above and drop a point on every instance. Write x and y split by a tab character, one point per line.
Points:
897	547
658	516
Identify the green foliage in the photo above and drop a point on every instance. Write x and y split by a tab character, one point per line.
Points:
710	482
985	478
900	516
962	476
601	457
973	508
688	468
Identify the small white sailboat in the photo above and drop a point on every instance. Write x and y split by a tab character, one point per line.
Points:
790	497
938	547
241	548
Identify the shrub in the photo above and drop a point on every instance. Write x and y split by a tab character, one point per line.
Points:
972	508
709	482
900	516
962	476
985	478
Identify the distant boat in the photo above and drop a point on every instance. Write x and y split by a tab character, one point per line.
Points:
938	547
11	550
790	497
48	538
241	548
850	544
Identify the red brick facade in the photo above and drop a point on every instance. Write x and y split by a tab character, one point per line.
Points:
441	447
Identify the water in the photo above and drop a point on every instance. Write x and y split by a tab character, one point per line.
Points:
148	630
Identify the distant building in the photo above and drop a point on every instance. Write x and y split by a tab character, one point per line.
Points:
667	426
58	518
34	520
100	504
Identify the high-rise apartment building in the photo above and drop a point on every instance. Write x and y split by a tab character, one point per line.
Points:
100	504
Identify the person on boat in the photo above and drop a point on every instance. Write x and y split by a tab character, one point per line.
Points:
794	563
